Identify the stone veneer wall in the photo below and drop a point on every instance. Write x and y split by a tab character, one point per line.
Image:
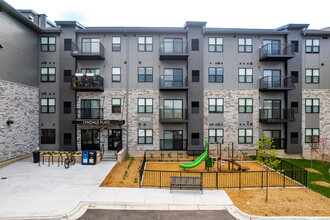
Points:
324	117
20	104
230	114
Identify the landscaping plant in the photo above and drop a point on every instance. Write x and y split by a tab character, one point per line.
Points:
325	155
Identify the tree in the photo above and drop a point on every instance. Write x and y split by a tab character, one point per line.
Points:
314	146
267	155
325	154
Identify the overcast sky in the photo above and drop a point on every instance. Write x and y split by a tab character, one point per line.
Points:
174	13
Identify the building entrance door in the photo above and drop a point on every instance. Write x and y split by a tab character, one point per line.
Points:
115	139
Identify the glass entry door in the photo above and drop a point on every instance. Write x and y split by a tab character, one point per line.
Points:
272	109
173	140
90	139
114	139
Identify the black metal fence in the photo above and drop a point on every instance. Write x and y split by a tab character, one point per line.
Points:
171	155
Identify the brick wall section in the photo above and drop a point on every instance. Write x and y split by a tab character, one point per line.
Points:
20	104
230	126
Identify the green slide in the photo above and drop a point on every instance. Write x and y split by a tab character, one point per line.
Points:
198	161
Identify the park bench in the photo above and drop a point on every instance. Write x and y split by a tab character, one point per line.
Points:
186	182
240	167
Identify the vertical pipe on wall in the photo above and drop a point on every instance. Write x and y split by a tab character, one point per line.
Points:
127	81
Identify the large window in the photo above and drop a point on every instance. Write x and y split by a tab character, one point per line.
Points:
173	45
312	76
115	74
48	44
195	76
215	44
245	105
145	44
144	105
145	136
116	105
145	74
67	107
67	44
47	74
90	139
95	71
215	105
312	105
245	136
91	45
216	75
312	45
173	78
90	109
116	44
47	105
47	136
245	75
173	109
312	135
215	136
244	45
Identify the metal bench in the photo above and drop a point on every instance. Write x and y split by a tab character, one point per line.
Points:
186	182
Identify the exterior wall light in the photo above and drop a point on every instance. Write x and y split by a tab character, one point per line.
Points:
9	122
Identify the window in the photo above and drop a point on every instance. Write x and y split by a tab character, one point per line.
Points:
91	45
173	109
145	74
95	71
194	107
294	106
195	44
144	105
215	136
116	108
294	75
67	76
48	105
90	139
90	109
312	105
194	138
145	44
312	135
295	46
245	75
116	44
48	44
195	76
216	75
173	45
245	136
67	44
173	78
294	138
215	105
47	74
245	105
67	107
271	47
215	44
115	74
245	45
67	138
312	45
312	76
47	136
145	136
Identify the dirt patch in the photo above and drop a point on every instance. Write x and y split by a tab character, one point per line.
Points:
281	202
321	183
118	178
311	170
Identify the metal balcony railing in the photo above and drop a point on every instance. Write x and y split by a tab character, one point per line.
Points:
276	115
279	143
174	49
173	144
89	113
173	114
87	51
276	52
277	83
87	82
173	82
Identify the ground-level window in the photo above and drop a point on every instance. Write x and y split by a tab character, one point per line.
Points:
67	139
116	107
47	136
245	136
215	136
312	135
145	136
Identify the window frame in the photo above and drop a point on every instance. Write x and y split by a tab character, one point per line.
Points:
312	45
65	109
145	106
144	136
312	106
48	132
112	106
66	48
216	135
245	136
47	106
215	45
245	105
91	70
312	76
112	74
216	75
244	45
245	76
47	44
116	44
48	75
145	44
307	137
216	105
145	74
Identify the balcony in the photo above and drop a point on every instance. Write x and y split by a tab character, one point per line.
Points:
173	144
89	113
173	82
276	52
276	83
87	51
173	115
88	82
173	50
276	115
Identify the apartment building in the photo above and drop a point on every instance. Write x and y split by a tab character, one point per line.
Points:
146	88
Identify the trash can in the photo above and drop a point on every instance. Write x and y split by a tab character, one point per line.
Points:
92	157
84	159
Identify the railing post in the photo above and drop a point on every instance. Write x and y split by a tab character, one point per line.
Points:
239	186
160	179
262	178
284	179
217	180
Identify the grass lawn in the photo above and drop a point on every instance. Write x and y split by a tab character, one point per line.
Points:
317	165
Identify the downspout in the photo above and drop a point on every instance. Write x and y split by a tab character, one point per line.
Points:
127	81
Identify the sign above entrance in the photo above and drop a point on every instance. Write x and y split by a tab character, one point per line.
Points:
98	122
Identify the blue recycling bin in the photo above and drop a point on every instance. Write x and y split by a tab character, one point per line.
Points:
84	159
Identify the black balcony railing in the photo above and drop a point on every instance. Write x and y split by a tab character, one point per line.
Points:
279	143
86	82
173	50
89	113
173	144
276	52
277	83
173	114
276	115
87	51
173	82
